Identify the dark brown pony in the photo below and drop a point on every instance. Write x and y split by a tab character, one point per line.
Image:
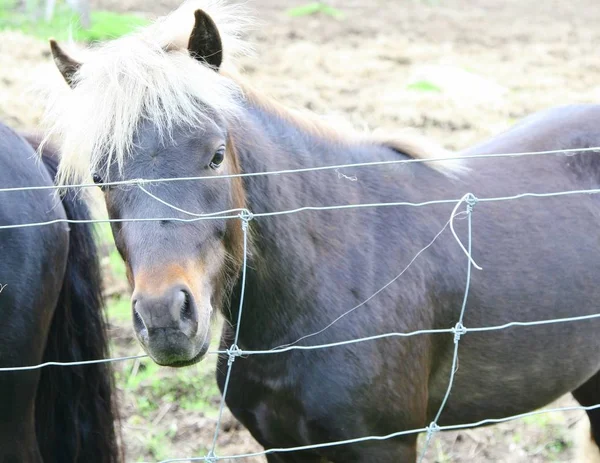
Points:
51	309
172	110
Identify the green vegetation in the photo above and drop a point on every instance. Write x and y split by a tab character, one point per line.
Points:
192	388
117	265
424	86
65	24
119	310
557	447
106	240
542	420
118	307
441	455
158	445
157	393
315	8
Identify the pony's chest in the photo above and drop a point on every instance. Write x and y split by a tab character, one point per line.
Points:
268	406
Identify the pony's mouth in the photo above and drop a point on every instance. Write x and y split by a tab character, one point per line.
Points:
172	348
185	363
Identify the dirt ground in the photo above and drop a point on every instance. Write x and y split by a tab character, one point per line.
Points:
486	62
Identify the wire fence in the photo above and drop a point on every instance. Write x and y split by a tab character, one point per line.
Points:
469	201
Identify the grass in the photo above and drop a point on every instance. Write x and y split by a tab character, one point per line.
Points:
119	310
544	420
423	86
155	392
65	23
119	307
158	444
315	8
105	239
193	388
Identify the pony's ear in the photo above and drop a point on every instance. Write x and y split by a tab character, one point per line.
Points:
65	64
205	42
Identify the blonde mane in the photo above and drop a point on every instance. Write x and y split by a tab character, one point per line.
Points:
149	75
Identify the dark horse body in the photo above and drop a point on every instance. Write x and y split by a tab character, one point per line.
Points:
51	310
539	256
539	260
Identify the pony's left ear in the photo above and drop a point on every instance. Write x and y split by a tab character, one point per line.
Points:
65	64
205	41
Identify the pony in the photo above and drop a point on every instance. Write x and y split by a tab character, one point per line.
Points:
167	102
52	311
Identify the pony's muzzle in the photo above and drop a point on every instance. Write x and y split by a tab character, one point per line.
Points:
175	309
167	325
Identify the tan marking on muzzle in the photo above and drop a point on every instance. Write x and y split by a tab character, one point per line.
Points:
154	282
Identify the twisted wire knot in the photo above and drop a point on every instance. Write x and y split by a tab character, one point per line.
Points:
432	429
458	330
471	200
211	457
233	352
246	216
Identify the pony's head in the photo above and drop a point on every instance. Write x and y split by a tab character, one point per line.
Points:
155	105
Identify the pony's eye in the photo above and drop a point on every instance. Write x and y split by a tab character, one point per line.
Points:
97	179
218	158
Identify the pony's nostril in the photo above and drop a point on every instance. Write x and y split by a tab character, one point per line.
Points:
138	321
187	310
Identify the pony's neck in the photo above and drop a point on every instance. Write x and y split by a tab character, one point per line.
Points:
297	259
274	137
282	288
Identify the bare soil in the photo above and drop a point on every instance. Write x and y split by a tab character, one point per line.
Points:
494	61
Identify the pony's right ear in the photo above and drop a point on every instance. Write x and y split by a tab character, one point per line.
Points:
205	41
65	64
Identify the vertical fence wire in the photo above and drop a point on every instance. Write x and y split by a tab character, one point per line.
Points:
459	328
233	351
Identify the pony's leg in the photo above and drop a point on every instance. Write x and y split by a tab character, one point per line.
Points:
588	441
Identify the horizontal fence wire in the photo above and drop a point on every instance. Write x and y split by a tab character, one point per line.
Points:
139	181
72	364
215	216
245	216
408	334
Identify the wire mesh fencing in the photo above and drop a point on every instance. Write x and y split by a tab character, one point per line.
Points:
464	207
